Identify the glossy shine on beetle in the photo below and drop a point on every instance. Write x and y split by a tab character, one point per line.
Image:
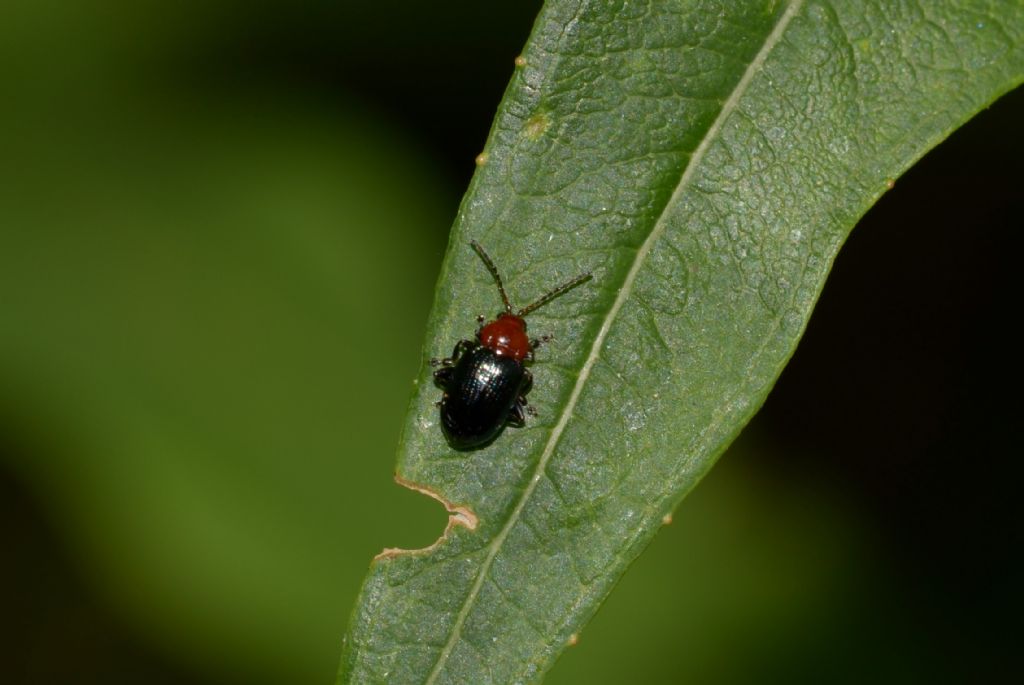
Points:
485	381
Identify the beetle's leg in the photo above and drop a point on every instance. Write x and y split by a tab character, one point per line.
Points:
517	417
520	410
537	342
527	384
461	348
443	376
542	340
521	407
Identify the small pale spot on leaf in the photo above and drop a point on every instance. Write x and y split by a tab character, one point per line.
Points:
537	125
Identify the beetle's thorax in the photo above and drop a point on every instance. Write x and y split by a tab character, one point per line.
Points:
506	336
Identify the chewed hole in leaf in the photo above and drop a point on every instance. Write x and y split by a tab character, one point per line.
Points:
457	516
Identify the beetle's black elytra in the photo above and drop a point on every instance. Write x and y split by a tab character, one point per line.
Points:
485	381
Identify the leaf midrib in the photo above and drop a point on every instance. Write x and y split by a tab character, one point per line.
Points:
592	356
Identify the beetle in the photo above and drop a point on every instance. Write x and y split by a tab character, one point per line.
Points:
485	381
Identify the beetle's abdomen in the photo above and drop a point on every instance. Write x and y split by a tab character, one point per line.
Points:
479	397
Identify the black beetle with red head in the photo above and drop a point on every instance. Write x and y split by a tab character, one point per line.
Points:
485	381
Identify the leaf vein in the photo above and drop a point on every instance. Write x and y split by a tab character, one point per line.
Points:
657	231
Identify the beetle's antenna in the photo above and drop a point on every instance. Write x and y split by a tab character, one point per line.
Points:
494	272
552	294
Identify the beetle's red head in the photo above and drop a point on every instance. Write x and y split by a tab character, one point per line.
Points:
506	336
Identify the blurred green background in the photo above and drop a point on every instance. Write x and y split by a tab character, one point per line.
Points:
220	223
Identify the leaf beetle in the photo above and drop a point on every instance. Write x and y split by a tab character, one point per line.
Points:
485	381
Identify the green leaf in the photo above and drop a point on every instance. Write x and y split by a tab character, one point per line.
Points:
706	163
